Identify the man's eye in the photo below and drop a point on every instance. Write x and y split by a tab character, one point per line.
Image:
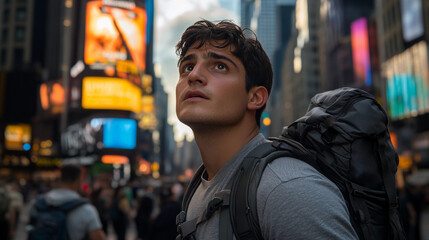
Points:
221	67
188	68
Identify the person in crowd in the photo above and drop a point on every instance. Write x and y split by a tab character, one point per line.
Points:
145	208
225	78
17	199
120	213
164	225
7	213
100	199
83	221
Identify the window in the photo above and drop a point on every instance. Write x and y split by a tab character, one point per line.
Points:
6	14
19	34
21	14
18	57
4	35
3	57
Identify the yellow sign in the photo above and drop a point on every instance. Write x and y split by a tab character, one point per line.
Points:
148	103
147	83
147	120
48	162
16	136
155	166
405	162
110	93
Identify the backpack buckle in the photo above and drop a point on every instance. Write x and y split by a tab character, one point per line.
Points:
213	206
180	218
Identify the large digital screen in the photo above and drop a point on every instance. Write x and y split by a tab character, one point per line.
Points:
360	51
119	133
412	19
407	77
52	96
17	137
115	33
110	93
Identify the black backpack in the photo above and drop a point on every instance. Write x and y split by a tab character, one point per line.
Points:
344	135
50	222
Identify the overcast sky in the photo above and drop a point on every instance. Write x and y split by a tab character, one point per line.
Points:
171	19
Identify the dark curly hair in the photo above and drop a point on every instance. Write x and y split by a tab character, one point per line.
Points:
249	50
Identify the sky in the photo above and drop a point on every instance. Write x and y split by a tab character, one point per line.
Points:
172	17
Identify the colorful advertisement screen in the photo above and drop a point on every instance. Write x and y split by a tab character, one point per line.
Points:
115	32
110	93
412	19
119	133
17	137
360	51
408	82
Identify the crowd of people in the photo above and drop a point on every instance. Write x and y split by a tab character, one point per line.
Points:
108	213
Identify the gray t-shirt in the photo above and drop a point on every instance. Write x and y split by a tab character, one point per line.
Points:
294	201
80	220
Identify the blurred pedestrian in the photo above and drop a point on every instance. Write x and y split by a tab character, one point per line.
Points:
120	213
82	222
99	199
7	214
164	225
17	200
145	207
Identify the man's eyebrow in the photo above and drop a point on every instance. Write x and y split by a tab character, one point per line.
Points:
208	55
186	58
218	56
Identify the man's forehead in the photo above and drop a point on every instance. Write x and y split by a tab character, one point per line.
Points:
219	45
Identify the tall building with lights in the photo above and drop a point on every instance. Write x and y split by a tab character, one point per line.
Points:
270	20
403	42
93	100
301	79
21	70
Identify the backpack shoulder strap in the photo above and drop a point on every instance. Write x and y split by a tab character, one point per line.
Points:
185	228
42	205
193	185
73	204
243	207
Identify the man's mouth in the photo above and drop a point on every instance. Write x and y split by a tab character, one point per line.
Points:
195	94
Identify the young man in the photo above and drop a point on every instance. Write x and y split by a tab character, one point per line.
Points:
83	222
224	84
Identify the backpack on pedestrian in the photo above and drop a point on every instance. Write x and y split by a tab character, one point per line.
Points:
49	222
344	135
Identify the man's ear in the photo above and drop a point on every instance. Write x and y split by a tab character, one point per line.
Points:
257	97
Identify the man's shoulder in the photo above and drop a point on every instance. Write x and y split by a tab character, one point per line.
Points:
289	168
294	176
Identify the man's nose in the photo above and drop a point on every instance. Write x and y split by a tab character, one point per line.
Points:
198	75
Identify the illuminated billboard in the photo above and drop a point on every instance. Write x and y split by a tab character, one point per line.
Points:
52	96
97	134
408	82
119	133
115	36
17	137
412	19
110	93
360	52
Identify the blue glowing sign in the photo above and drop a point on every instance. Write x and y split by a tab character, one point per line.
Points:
119	133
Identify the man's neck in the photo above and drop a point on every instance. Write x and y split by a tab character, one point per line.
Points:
218	145
70	186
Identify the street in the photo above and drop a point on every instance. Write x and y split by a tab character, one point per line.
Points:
21	233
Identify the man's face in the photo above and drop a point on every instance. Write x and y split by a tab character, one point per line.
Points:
211	88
